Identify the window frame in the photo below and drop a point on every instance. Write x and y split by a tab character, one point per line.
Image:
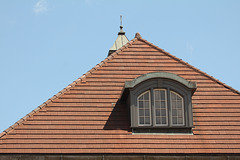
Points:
183	115
150	109
154	106
162	80
169	108
161	83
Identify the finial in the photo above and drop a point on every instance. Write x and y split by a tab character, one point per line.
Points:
121	26
137	35
120	20
120	41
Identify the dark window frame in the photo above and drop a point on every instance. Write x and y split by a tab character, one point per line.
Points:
160	80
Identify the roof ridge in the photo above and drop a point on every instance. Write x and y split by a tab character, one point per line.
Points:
19	122
189	65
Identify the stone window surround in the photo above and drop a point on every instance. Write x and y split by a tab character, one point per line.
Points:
159	80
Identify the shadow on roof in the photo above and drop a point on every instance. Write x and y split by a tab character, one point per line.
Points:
119	118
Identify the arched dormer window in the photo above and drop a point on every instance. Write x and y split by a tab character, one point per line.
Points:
160	102
144	109
177	107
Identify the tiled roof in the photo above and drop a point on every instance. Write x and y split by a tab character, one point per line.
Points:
84	117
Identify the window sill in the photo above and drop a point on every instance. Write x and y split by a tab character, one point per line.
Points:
162	127
164	130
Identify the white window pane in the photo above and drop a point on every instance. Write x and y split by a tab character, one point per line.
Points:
141	120
173	96
179	104
174	104
146	96
174	112
157	120
144	108
147	120
140	104
147	112
180	120
163	104
160	103
180	113
157	105
174	119
157	112
179	98
177	109
162	95
141	112
163	112
146	104
164	121
157	95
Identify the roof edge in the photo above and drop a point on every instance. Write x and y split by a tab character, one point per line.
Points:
138	36
19	122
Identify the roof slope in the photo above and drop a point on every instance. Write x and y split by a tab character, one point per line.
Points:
84	117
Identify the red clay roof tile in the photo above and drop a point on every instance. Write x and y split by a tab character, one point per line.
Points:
74	120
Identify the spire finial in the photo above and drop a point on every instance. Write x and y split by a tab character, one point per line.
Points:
121	27
121	20
120	41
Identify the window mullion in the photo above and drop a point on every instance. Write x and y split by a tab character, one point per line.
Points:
169	114
152	107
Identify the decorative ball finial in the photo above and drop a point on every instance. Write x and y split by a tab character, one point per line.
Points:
121	27
120	20
137	35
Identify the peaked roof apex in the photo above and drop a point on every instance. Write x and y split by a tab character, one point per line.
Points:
138	35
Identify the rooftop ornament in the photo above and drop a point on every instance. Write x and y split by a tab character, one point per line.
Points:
120	41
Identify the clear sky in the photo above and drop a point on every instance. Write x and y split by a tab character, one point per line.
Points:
47	44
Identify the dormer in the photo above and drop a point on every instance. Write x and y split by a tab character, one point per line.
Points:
160	102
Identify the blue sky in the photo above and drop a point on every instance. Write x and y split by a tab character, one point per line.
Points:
47	44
